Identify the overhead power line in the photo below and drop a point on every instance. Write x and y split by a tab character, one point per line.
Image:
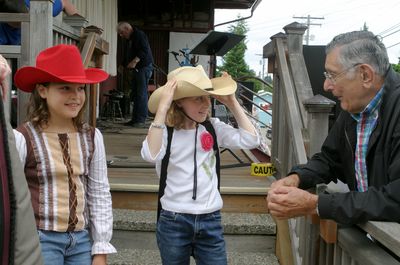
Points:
389	29
390	33
393	45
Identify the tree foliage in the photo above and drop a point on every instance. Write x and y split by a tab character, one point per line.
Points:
234	61
396	67
365	27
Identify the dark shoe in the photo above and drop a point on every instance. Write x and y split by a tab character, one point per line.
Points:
129	123
139	125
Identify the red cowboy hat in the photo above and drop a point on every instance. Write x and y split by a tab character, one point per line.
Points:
59	64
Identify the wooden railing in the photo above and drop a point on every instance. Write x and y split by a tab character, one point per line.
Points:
299	126
39	30
18	53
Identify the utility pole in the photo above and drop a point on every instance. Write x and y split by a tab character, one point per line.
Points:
263	64
263	69
308	24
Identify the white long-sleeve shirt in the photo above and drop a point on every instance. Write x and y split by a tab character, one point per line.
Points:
98	215
179	189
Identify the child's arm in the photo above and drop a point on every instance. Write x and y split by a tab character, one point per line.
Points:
238	112
20	144
155	134
231	102
99	201
99	259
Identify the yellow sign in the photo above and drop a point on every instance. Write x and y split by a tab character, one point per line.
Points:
262	169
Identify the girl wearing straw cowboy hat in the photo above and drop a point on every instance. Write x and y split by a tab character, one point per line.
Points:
183	143
64	159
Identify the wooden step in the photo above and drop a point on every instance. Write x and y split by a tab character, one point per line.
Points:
140	248
250	238
136	188
234	223
152	257
235	203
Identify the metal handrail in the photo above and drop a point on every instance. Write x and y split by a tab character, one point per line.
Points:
241	95
251	91
242	78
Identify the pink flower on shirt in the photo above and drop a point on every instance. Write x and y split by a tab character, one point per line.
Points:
207	141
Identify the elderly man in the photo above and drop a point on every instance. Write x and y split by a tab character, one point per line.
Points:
140	60
362	148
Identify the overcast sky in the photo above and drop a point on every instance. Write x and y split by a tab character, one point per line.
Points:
381	17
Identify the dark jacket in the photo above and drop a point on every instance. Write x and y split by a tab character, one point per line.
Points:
138	46
336	161
23	241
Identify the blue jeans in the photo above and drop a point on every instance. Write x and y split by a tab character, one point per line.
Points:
65	248
140	94
181	235
9	35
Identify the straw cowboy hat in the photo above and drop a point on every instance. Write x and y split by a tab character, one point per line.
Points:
58	64
193	82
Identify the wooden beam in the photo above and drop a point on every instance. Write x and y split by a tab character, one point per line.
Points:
10	51
14	17
38	37
283	244
88	49
87	52
293	116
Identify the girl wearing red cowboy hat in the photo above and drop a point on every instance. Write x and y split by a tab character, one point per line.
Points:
64	159
187	161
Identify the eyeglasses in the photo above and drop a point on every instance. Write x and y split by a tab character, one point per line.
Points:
334	77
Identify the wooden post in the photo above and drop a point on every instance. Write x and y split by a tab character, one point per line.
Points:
301	81
283	245
295	32
40	37
318	109
93	50
278	117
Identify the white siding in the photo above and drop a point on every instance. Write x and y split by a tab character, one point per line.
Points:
102	14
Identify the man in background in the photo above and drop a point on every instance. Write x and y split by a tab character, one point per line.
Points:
139	60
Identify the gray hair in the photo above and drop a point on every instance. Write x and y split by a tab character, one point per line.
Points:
358	47
123	25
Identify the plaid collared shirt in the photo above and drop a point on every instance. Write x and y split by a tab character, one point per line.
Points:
366	123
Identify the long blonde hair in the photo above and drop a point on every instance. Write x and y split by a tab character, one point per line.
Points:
38	112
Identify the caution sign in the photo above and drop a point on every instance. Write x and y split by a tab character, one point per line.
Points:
262	169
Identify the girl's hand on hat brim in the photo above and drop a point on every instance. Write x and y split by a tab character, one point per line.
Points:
225	74
228	100
167	95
